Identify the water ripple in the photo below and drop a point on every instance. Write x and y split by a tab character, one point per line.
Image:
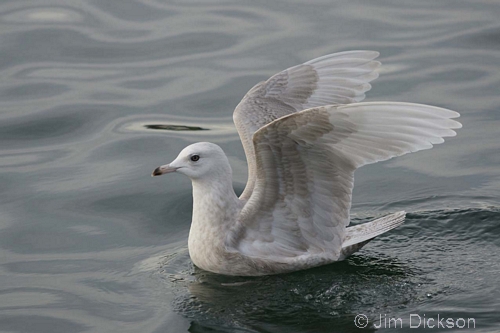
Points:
84	229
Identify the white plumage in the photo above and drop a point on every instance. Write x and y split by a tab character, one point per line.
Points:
304	135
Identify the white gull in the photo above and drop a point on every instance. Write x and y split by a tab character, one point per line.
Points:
304	133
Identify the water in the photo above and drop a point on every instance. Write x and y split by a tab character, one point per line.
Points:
95	94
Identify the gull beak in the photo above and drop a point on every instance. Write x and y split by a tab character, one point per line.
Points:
163	170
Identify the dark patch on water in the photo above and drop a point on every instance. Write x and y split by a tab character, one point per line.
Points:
167	127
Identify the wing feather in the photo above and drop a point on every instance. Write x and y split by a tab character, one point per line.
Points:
305	165
339	78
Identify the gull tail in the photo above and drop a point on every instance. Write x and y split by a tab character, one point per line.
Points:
357	236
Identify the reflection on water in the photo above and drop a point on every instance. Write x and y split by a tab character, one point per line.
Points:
310	301
96	94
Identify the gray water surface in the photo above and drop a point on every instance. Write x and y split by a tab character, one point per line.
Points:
96	94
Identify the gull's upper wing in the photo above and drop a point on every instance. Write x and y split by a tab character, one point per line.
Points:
338	78
305	164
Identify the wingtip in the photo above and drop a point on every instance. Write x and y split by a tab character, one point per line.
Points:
361	54
400	215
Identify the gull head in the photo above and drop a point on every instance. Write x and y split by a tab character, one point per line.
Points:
199	160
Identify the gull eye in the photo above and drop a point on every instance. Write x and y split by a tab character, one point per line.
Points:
195	158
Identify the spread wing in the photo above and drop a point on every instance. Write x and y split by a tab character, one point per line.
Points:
339	78
305	164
